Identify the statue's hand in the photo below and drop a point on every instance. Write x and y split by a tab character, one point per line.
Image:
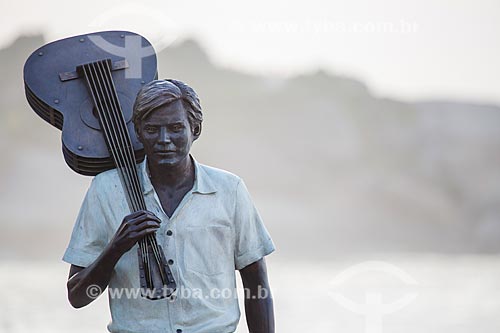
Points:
133	228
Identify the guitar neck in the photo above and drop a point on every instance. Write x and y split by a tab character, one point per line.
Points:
100	83
157	275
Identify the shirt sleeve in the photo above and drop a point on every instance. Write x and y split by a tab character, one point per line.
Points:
89	237
253	241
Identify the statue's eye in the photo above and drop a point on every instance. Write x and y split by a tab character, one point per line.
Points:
150	129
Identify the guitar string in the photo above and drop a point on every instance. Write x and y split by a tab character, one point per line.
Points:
154	243
127	187
89	77
112	131
105	72
122	130
105	68
126	143
124	176
104	121
136	202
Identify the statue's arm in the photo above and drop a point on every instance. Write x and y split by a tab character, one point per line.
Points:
258	299
84	284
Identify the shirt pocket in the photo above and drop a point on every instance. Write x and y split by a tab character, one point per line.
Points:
208	249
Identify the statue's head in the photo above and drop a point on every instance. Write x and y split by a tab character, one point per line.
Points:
163	92
167	117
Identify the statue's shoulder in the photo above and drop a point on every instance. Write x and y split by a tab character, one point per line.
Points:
219	178
107	176
107	181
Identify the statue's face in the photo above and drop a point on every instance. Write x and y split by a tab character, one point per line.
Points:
166	135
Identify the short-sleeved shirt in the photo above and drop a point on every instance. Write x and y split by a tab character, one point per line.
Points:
214	231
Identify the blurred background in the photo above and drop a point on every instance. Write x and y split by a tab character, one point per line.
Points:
366	131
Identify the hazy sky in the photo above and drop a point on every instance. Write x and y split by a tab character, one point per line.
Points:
401	49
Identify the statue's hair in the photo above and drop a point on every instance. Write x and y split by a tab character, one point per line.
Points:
158	93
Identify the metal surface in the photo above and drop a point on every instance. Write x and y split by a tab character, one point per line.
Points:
65	104
66	76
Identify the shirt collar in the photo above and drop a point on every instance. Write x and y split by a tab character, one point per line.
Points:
202	182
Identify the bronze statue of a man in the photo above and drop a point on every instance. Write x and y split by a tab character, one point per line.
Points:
203	218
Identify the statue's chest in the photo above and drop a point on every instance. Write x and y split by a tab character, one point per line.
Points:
170	199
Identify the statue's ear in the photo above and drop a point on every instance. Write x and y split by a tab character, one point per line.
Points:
196	131
138	132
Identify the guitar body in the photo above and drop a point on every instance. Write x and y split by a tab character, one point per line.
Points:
62	99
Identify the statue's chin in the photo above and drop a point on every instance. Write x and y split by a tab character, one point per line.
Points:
168	162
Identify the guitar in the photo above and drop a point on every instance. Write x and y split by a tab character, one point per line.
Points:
86	86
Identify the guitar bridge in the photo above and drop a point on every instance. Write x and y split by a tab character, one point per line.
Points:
155	284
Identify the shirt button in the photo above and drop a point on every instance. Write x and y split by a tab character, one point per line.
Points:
169	232
170	262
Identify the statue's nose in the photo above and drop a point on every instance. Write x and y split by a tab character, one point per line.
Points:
164	135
